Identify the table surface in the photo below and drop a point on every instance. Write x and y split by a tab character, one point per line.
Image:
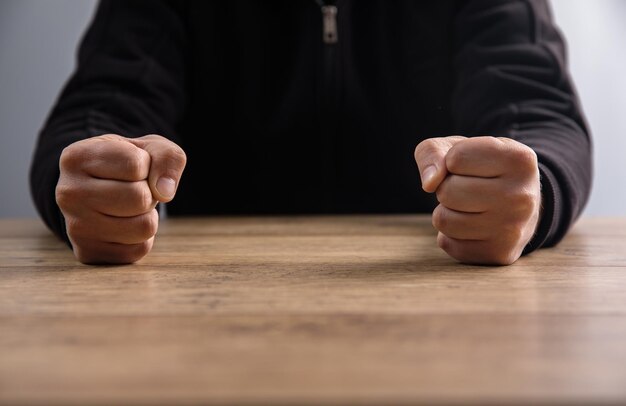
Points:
312	310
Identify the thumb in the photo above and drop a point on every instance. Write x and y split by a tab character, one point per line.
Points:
430	156
167	162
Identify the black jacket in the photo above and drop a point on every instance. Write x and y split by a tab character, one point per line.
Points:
275	120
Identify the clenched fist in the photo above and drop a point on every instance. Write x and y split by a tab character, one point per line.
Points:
489	196
108	190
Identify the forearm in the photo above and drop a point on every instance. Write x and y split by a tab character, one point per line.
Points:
129	81
513	82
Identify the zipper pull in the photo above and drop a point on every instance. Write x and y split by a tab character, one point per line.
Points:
329	15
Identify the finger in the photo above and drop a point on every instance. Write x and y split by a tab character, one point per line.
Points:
107	157
478	252
82	195
168	161
430	158
119	199
462	226
469	194
121	230
98	252
489	157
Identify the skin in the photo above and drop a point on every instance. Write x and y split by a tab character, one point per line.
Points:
108	189
489	196
488	189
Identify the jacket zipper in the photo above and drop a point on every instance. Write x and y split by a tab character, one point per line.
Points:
329	98
329	23
330	38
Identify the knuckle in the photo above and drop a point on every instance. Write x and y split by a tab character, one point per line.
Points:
146	198
524	156
154	137
108	137
89	255
503	257
167	150
439	219
443	242
506	250
425	148
422	146
513	234
65	195
141	196
148	225
527	201
72	157
452	248
134	163
175	159
84	256
179	153
455	158
133	253
522	203
75	226
443	194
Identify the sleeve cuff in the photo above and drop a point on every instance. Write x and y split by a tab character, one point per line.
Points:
550	212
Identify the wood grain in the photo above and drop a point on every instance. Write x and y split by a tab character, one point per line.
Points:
312	310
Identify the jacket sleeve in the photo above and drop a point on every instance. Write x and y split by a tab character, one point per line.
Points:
129	81
512	81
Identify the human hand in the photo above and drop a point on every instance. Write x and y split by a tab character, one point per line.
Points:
489	194
108	189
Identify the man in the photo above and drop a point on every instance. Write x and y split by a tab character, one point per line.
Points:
307	107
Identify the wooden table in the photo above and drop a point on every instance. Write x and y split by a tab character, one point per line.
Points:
312	310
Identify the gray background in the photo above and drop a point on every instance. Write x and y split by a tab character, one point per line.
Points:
37	48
